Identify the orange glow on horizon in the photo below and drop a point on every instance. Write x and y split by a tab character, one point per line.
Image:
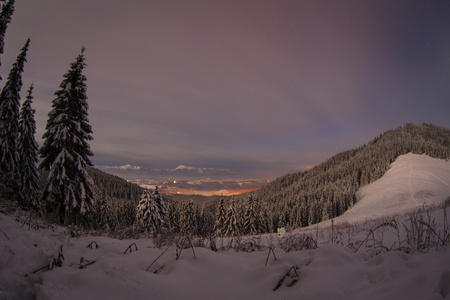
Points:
181	191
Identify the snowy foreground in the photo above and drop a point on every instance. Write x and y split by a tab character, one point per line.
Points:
381	259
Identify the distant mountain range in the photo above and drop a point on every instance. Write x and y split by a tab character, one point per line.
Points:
181	172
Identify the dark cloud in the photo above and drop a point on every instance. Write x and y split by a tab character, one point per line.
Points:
259	88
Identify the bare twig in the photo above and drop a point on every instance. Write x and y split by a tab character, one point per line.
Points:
130	248
160	256
268	255
180	248
392	224
84	263
25	221
295	277
56	262
192	247
4	234
432	230
159	269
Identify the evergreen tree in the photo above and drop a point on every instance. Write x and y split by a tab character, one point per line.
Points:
219	226
65	152
147	213
103	215
126	213
265	221
205	221
163	220
5	19
187	219
232	226
174	217
28	149
250	217
9	124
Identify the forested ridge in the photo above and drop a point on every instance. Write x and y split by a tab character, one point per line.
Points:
329	189
111	186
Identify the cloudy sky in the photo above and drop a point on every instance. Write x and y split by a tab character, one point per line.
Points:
237	91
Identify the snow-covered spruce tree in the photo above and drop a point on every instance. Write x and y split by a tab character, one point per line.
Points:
28	153
103	215
205	221
232	226
68	194
147	213
173	215
188	224
265	221
250	218
5	18
219	226
163	220
9	125
126	213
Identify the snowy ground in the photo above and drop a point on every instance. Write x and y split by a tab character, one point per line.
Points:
358	262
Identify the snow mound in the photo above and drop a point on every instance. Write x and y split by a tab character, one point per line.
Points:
412	181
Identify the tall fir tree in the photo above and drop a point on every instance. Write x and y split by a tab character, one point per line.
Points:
232	225
28	153
265	221
205	221
219	226
250	217
147	212
188	223
151	212
68	194
5	18
173	215
103	215
163	220
9	124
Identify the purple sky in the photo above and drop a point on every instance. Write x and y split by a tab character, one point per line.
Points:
238	89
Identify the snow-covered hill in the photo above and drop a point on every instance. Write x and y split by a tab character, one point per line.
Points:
411	182
358	263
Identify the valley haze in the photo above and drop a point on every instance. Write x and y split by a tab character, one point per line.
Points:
187	180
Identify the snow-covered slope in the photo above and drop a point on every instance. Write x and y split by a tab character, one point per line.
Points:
412	181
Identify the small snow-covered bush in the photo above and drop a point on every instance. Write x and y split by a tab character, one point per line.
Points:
250	245
297	242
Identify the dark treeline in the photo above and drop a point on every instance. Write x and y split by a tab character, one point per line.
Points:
111	186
